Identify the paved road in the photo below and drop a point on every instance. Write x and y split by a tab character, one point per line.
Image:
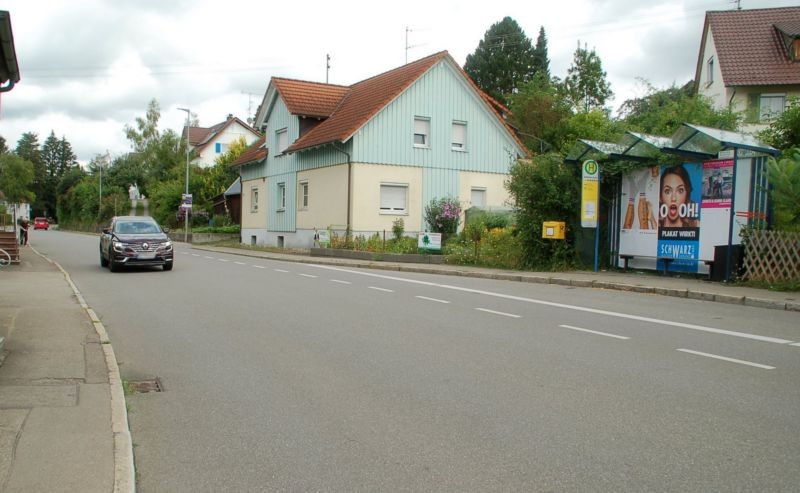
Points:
285	376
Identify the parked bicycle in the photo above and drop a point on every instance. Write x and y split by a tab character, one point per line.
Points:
5	258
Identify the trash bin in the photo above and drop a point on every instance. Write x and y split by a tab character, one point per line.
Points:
737	264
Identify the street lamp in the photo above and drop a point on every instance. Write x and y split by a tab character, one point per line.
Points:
186	196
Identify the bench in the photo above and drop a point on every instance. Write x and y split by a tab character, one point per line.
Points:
625	257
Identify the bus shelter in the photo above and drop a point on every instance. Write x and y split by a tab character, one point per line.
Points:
683	214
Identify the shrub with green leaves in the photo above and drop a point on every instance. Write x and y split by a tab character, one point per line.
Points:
784	179
545	189
398	228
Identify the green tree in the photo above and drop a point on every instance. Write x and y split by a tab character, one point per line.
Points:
586	84
545	189
16	178
662	111
540	114
784	131
503	60
28	149
541	62
57	157
784	179
3	145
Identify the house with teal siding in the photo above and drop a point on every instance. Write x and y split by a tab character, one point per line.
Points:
362	156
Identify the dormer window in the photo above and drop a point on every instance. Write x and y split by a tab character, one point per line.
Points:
794	53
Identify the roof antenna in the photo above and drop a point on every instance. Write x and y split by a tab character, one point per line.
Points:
408	46
327	66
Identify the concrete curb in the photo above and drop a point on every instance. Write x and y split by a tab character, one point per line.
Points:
124	470
533	278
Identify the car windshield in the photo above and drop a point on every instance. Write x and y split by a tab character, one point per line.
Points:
136	227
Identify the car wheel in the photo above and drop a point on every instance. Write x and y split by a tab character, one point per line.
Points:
111	264
103	261
167	265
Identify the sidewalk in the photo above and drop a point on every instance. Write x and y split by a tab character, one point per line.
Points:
649	283
63	425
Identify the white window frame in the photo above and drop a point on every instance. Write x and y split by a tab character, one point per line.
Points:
282	196
472	194
390	204
422	126
459	127
762	117
253	199
282	139
710	69
302	195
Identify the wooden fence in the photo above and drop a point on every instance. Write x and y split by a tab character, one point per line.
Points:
772	256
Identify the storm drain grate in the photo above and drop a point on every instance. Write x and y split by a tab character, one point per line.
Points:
144	386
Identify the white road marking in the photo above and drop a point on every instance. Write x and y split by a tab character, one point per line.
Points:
431	299
308	275
596	311
341	282
223	260
195	255
240	263
594	332
280	270
795	344
210	258
723	358
498	313
259	267
382	289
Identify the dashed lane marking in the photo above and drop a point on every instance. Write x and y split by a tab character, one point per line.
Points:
596	332
725	358
498	313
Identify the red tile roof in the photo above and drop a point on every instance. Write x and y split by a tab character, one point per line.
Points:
749	46
256	152
200	137
309	98
360	102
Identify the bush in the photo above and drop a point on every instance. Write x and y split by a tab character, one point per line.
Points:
443	215
398	228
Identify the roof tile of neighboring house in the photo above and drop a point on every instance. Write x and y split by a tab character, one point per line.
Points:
309	98
749	46
256	152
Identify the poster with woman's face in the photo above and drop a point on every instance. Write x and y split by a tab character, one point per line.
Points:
679	198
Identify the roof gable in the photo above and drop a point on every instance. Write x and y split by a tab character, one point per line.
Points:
363	101
305	98
749	46
200	137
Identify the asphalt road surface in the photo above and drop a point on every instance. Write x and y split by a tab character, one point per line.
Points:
298	377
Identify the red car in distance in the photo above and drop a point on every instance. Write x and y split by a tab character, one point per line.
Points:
41	223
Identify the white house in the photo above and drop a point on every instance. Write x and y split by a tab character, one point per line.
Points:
209	143
749	61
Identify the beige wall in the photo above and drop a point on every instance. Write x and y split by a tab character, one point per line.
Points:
250	219
327	198
496	193
367	180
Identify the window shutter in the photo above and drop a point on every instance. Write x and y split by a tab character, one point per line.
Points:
393	198
459	135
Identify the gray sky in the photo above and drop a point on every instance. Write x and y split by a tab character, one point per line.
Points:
89	67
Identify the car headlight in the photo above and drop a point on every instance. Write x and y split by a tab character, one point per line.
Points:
118	246
167	245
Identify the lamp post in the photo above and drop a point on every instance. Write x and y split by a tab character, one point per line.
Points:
186	210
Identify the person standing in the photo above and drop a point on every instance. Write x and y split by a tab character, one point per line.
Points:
23	231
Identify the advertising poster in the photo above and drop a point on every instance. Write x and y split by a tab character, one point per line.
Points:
679	199
639	233
717	184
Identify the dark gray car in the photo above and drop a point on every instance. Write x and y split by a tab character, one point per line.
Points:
135	240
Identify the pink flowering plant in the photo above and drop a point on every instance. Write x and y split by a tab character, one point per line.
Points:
443	215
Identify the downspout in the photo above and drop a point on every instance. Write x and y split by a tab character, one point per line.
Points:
349	191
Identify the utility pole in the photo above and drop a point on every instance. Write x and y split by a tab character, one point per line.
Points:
327	66
186	195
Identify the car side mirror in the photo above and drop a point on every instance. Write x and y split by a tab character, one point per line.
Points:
165	230
106	231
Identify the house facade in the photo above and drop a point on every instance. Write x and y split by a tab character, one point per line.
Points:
208	143
749	60
360	157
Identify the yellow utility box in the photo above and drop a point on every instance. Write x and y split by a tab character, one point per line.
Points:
553	230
